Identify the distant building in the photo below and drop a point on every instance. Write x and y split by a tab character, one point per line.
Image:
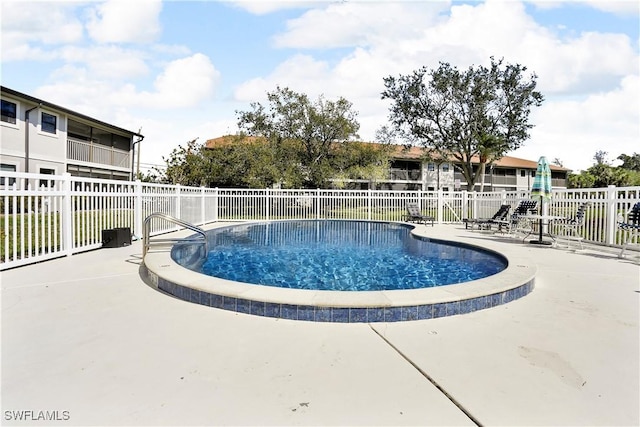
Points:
41	137
410	171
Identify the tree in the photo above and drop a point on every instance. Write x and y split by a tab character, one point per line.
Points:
630	162
301	131
186	165
482	112
358	160
601	158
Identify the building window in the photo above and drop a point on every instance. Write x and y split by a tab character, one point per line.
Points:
48	123
9	112
46	182
431	167
533	173
445	167
445	188
523	173
8	168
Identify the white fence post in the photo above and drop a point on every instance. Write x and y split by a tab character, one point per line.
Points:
465	204
66	220
215	204
317	203
267	203
178	202
611	215
440	205
203	210
137	209
369	204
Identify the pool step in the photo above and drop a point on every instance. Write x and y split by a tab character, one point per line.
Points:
165	245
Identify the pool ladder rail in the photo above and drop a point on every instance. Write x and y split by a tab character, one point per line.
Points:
147	242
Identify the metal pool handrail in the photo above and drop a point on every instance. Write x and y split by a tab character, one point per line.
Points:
146	231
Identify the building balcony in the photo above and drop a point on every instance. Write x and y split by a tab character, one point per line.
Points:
82	151
405	175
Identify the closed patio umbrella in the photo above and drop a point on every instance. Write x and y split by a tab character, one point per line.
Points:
542	188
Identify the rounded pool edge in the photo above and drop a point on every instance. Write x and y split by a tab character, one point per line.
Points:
516	281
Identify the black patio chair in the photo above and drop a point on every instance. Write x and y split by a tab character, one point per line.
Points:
516	223
415	215
485	223
631	225
569	227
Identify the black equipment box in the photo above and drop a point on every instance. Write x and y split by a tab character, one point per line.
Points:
116	237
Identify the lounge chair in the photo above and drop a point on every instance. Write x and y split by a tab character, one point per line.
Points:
568	227
485	223
415	215
517	223
630	225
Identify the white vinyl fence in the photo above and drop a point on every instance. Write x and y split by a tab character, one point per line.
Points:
48	216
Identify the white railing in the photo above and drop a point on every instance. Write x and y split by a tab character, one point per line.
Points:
47	216
96	153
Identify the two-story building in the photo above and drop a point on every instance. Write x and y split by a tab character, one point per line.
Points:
41	137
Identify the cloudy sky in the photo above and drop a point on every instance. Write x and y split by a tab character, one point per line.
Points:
180	70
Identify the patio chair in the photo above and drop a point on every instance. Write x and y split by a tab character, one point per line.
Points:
516	223
568	227
630	225
415	215
485	223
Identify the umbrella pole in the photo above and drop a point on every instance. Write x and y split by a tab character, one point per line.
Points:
540	241
540	225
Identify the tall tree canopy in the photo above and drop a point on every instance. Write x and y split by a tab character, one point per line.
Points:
630	162
483	111
317	128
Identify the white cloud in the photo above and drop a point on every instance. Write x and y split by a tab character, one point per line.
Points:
106	61
574	130
618	7
343	24
121	21
24	24
263	7
301	73
184	83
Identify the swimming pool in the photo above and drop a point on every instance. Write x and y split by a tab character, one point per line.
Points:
162	271
336	255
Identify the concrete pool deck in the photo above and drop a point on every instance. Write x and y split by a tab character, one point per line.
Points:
85	336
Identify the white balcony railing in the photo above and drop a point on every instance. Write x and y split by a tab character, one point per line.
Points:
95	153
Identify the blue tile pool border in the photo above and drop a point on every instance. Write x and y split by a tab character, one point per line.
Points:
360	314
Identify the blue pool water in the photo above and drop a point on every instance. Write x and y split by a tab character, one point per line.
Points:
342	256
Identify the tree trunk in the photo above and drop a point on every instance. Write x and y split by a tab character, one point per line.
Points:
481	170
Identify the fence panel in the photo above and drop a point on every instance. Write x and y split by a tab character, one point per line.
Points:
99	205
31	218
47	216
